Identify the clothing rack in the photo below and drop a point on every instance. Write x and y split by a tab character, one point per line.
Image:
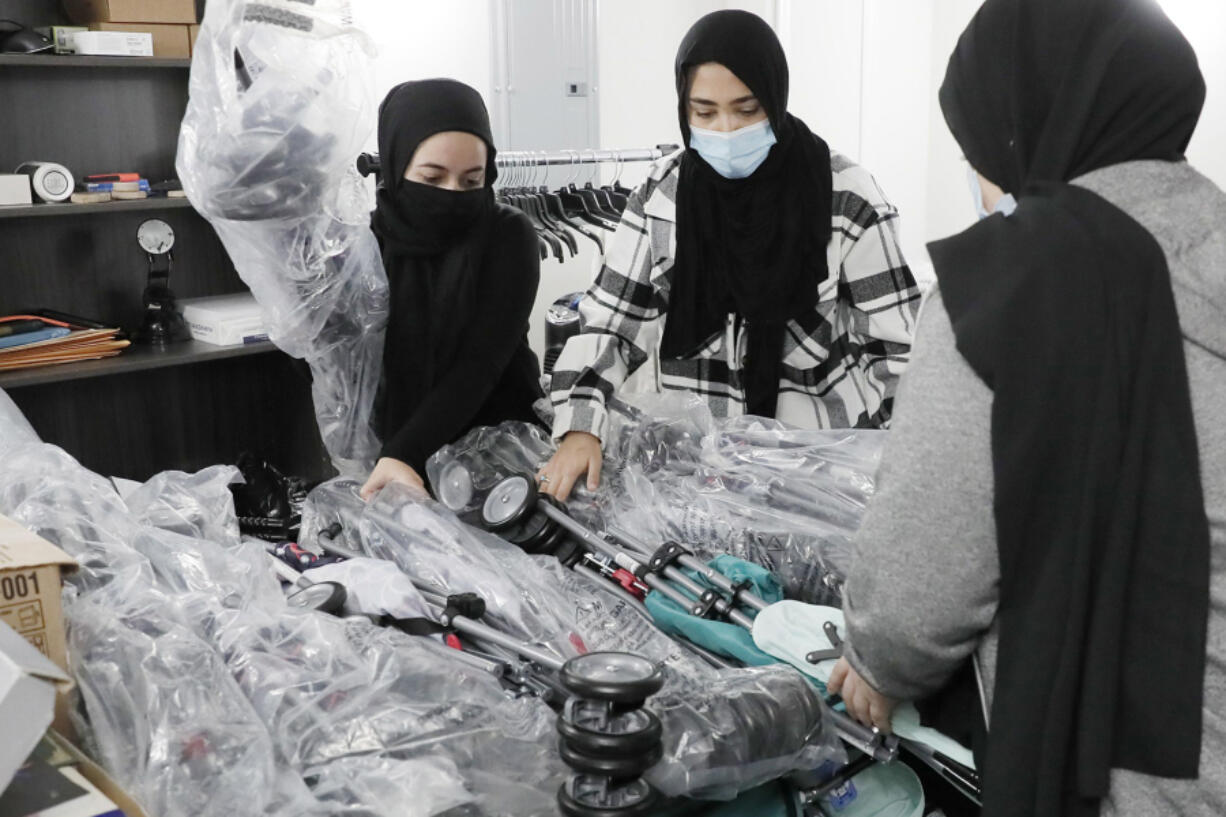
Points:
586	156
368	163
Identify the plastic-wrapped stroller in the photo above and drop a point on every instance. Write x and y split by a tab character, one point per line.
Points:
742	464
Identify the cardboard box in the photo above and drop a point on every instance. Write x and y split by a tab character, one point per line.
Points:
168	40
28	686
31	570
193	34
131	11
96	775
113	44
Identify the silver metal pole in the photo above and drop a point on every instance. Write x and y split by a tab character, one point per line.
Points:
483	632
623	559
712	575
496	668
616	589
867	739
580	157
620	558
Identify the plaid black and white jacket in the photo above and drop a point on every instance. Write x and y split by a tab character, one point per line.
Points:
841	362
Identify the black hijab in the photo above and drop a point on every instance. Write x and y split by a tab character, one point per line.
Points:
1065	310
433	240
754	247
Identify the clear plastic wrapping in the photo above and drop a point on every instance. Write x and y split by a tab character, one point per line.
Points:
280	106
206	695
725	730
787	499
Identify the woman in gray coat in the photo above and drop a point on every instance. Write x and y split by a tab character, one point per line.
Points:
1052	501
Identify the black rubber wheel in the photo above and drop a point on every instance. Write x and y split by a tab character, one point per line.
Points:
584	797
627	734
509	502
616	768
326	597
620	677
530	533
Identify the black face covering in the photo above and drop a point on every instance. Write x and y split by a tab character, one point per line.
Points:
754	247
417	219
433	240
1065	310
429	219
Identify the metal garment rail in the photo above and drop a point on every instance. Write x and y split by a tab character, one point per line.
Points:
544	158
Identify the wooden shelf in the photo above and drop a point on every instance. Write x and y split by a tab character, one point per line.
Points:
133	359
69	209
73	61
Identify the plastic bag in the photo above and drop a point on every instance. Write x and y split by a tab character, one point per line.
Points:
280	106
723	731
207	695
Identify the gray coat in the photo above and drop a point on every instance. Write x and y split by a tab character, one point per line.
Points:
922	594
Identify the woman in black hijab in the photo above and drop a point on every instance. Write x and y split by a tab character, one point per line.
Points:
462	275
1042	500
761	270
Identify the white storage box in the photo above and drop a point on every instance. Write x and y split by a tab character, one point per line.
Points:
15	189
113	43
225	320
28	682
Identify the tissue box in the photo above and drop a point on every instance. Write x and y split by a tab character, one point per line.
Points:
225	320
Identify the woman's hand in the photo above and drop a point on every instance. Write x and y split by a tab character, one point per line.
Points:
864	703
578	454
388	470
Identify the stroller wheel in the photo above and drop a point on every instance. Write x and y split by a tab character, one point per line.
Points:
326	597
509	502
583	796
455	489
587	726
615	768
620	677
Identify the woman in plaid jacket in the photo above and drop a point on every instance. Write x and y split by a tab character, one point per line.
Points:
756	269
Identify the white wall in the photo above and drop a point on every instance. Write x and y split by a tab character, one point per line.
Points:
865	75
420	39
638	42
1203	22
948	201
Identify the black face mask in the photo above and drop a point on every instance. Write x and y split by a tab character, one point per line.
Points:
434	212
420	219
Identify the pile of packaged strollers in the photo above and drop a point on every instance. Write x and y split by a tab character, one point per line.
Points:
410	663
488	653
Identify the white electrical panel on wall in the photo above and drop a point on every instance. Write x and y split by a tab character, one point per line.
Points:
544	75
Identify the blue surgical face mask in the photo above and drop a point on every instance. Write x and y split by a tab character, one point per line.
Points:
737	154
1005	205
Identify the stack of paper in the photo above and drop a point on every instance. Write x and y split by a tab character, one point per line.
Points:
71	346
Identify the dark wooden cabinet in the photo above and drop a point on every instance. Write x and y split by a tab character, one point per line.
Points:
193	404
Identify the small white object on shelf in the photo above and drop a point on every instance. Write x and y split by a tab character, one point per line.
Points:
225	320
15	189
113	44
